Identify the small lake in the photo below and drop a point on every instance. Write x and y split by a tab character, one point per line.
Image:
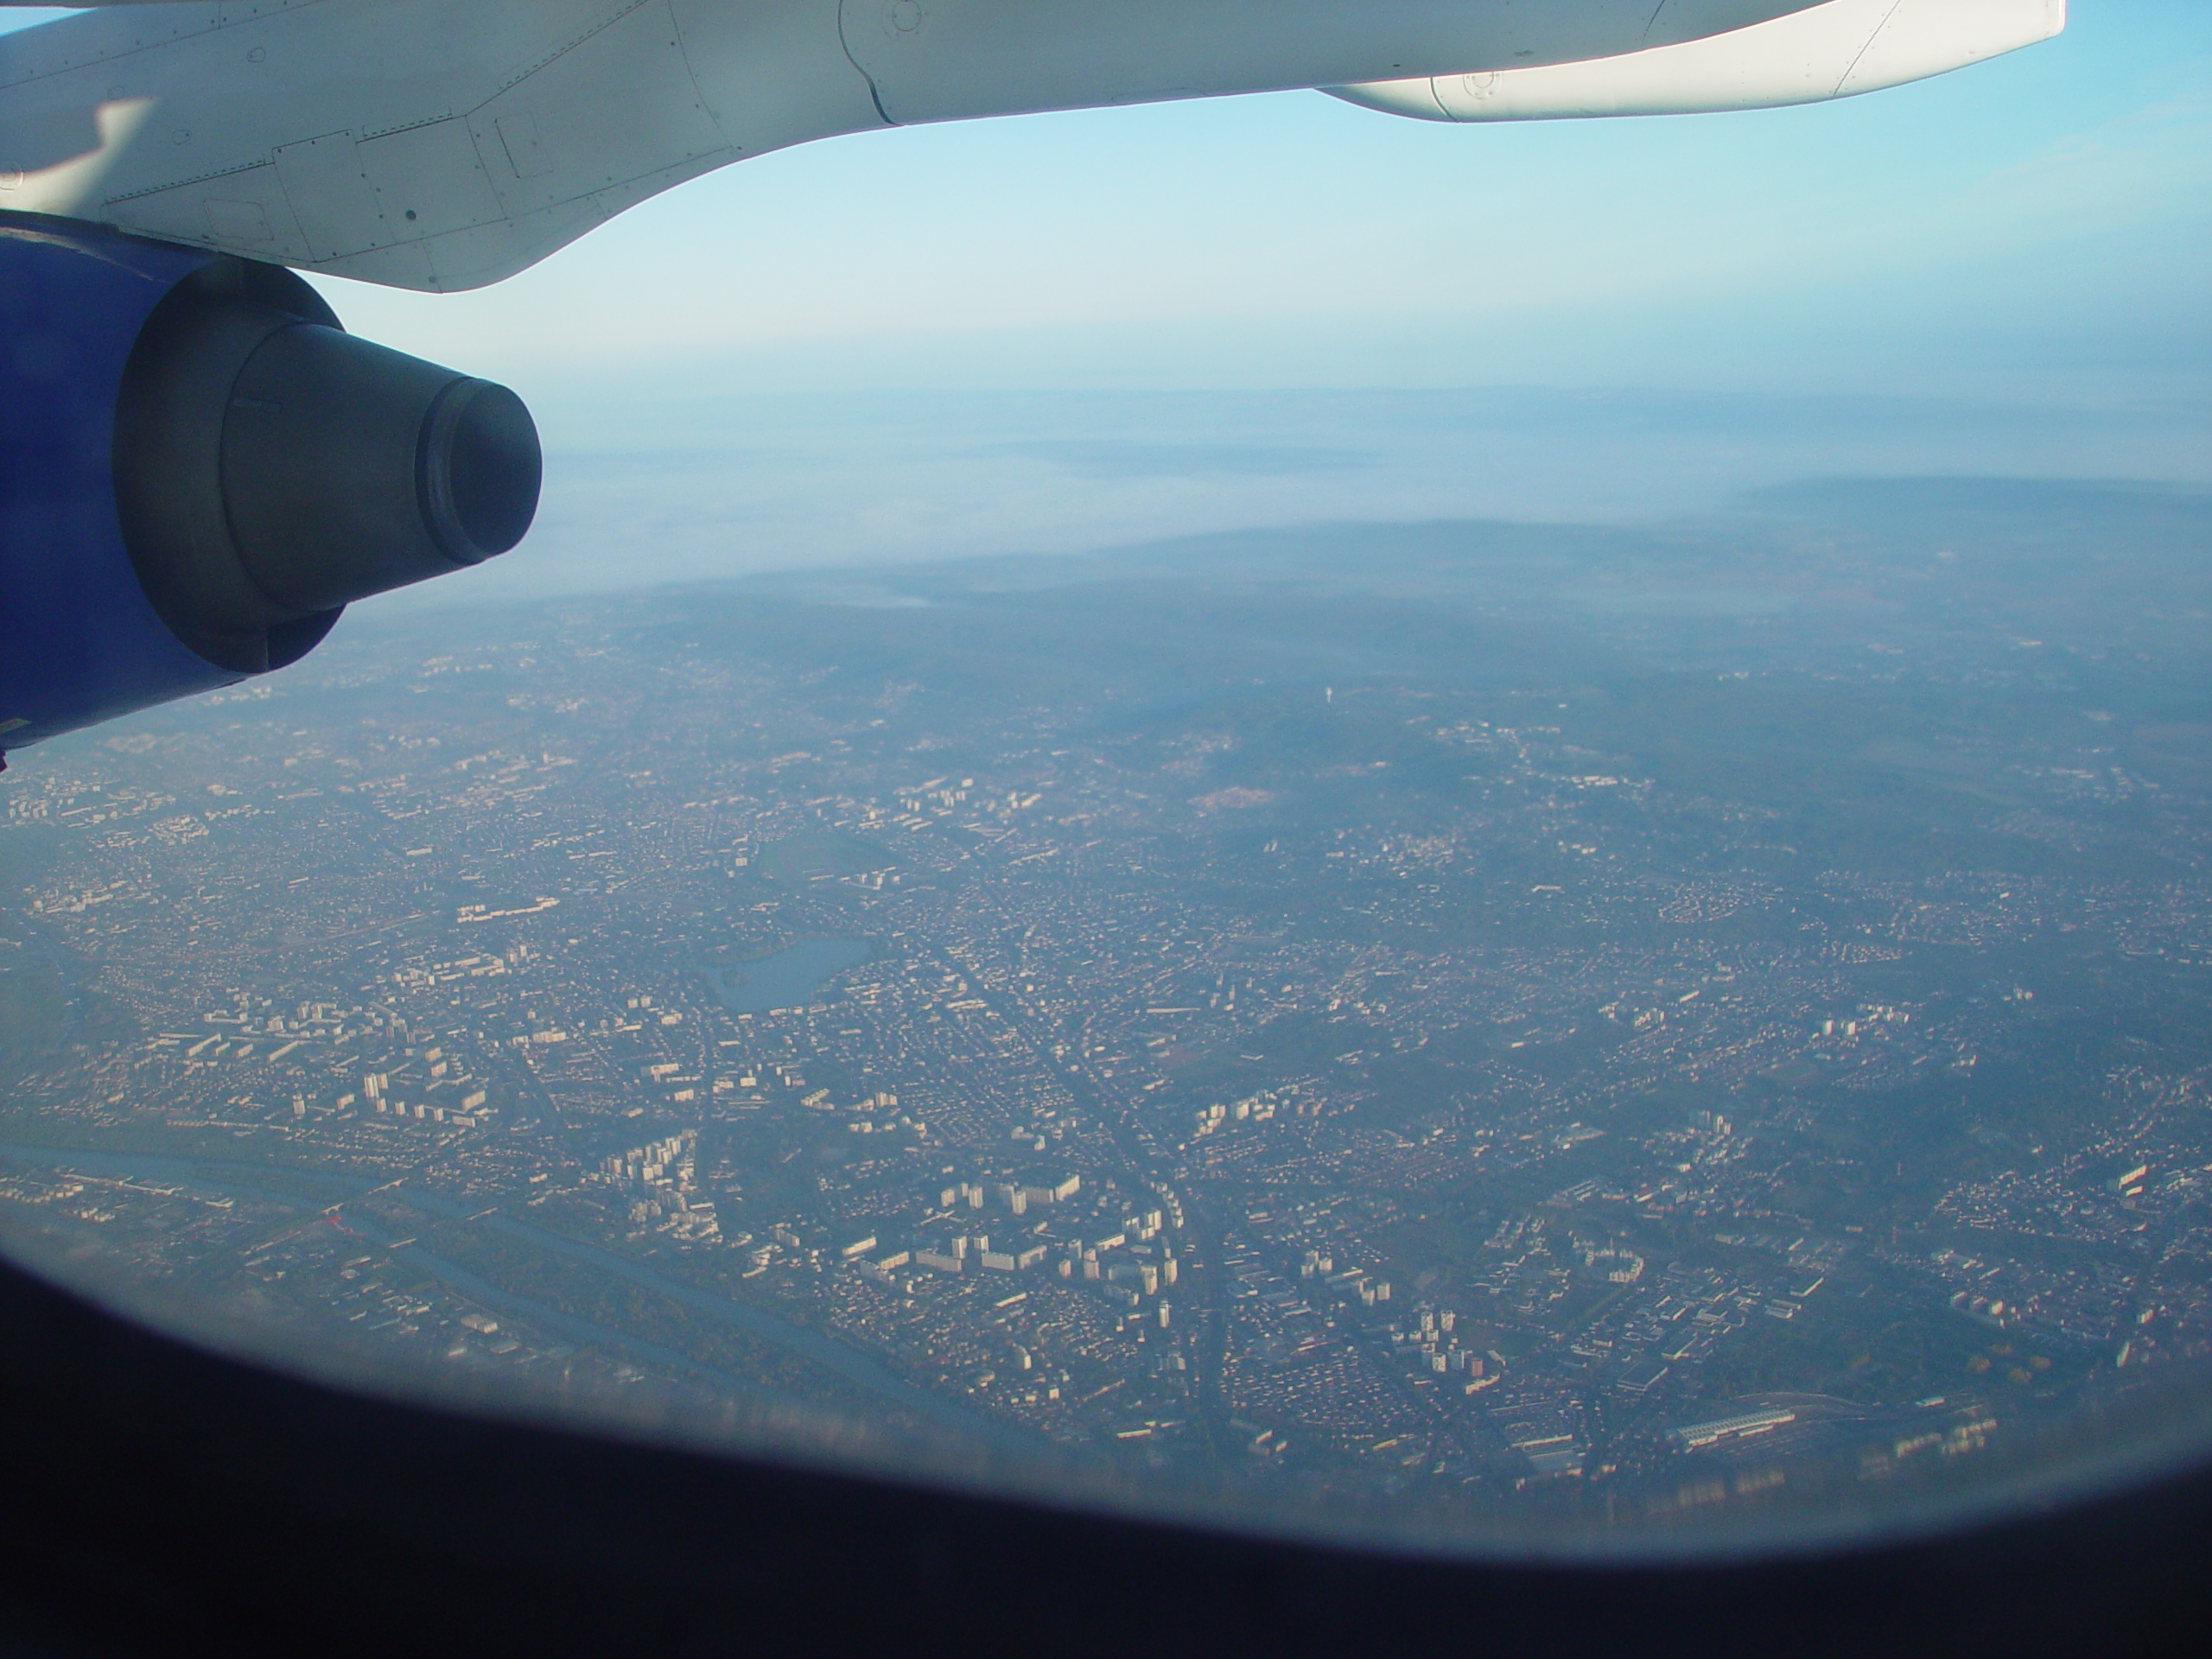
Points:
789	978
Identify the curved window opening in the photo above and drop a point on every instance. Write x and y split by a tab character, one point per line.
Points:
1588	941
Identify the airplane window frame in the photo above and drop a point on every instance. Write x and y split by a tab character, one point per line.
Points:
172	1497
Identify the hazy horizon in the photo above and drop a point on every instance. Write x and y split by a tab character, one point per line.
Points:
644	491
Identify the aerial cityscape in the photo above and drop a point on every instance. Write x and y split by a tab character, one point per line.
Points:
1461	1026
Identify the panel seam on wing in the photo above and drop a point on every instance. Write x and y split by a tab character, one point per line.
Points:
1859	56
846	47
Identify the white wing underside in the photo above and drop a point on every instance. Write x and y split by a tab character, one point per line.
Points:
442	145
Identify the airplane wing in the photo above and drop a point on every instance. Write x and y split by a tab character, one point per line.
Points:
445	144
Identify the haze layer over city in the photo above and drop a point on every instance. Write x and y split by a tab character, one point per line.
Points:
1473	1028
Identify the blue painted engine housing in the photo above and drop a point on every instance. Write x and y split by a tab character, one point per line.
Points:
199	469
79	640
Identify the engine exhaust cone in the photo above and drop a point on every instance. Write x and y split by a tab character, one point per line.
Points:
271	468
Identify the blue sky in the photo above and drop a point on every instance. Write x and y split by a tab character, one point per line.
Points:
1068	330
2036	225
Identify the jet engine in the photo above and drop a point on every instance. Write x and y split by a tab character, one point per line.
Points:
199	468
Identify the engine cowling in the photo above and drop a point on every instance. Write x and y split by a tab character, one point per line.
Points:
199	469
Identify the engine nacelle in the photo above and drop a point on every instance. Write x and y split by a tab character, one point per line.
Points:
199	469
